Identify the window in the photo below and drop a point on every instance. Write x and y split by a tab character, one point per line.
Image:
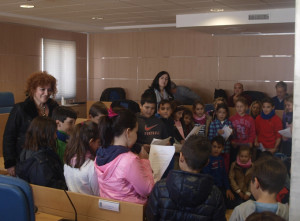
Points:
59	60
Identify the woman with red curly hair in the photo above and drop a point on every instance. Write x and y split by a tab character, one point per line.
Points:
40	86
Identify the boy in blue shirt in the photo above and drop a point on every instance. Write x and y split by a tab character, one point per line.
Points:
216	168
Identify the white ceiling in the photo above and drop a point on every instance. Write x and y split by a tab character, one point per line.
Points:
76	15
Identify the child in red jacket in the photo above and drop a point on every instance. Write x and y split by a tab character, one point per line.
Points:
267	125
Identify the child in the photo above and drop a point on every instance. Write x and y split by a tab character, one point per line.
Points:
287	122
200	118
79	158
97	110
267	125
243	126
39	163
268	178
255	109
149	126
216	168
165	111
187	122
177	115
217	101
240	175
216	128
187	194
278	100
122	175
65	118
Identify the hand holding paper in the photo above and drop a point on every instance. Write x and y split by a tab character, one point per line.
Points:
160	158
227	132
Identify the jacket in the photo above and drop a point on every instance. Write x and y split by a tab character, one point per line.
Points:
240	181
185	196
82	180
123	176
42	167
17	124
216	168
241	212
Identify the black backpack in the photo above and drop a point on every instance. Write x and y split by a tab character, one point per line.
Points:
220	93
113	94
255	95
128	104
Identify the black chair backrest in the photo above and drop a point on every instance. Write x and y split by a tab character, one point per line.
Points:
128	104
113	94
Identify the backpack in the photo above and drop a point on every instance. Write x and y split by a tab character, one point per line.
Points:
128	104
220	93
113	94
255	95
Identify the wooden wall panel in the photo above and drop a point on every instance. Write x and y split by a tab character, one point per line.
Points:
20	55
201	61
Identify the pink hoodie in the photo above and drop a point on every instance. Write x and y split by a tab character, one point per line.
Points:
126	178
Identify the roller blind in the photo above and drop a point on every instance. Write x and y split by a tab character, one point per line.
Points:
59	60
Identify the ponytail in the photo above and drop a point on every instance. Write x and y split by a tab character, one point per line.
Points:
114	126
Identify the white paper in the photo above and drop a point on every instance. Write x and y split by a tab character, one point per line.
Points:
160	158
195	130
163	142
286	132
261	147
227	132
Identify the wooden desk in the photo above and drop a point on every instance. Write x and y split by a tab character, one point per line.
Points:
55	202
46	217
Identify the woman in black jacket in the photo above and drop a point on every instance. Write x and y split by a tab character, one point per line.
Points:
40	86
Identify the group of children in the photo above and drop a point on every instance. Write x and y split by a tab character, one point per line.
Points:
107	156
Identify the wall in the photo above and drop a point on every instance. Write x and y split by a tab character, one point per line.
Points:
200	61
20	55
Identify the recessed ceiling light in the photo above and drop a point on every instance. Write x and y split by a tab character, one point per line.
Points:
27	6
97	18
216	9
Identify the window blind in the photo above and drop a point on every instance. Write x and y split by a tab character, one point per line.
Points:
59	60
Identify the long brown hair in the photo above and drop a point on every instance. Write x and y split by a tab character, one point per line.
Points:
41	133
79	143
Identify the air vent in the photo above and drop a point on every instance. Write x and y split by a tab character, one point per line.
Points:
259	17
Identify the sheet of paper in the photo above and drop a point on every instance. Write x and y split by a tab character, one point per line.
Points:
286	132
227	132
195	130
163	142
160	158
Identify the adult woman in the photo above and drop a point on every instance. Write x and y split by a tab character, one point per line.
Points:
40	86
162	86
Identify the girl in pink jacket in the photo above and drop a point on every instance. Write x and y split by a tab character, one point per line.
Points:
122	175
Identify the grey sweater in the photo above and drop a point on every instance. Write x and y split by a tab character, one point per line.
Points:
241	212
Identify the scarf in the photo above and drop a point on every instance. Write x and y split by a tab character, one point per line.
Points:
243	165
200	120
268	116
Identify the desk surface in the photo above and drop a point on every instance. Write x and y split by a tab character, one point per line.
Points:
46	217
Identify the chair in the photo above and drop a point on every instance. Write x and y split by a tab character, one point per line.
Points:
113	94
7	102
128	104
16	201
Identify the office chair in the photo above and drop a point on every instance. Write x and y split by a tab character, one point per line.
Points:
16	201
7	102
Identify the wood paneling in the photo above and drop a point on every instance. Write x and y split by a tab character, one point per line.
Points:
201	61
20	55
